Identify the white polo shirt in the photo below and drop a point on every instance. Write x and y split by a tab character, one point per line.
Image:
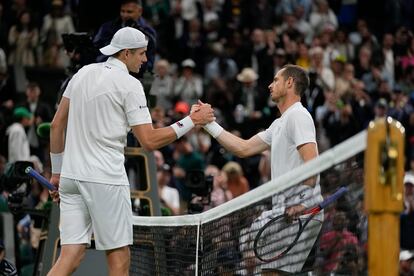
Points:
105	101
294	128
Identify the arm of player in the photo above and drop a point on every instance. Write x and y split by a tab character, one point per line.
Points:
236	145
241	147
308	152
57	142
152	139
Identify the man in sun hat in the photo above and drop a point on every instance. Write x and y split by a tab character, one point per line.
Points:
101	103
249	96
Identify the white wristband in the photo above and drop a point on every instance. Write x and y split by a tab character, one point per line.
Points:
214	129
56	160
183	126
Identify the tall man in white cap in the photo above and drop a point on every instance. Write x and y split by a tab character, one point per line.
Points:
99	106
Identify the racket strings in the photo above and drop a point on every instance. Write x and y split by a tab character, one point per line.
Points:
278	237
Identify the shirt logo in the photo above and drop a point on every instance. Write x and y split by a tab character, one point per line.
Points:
301	196
142	106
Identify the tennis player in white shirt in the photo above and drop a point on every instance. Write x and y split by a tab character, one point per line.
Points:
101	103
292	142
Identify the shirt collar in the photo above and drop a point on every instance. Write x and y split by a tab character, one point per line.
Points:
117	63
293	106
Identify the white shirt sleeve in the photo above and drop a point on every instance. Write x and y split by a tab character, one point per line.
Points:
301	128
136	108
266	135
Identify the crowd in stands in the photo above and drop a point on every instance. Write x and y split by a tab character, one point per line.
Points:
224	52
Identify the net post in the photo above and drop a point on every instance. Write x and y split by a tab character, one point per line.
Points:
384	172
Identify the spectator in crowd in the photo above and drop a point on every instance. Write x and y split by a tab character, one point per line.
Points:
18	142
322	17
162	86
169	196
325	73
334	243
220	192
189	86
41	113
363	62
23	41
406	263
407	218
219	77
236	182
250	101
54	25
130	14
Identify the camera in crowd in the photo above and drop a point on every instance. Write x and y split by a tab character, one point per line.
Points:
16	182
80	49
200	186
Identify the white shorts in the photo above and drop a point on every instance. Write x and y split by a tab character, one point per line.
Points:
103	209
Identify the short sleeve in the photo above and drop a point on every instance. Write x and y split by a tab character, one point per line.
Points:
136	109
301	128
266	135
69	88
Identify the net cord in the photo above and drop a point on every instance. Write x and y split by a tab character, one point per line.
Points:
329	158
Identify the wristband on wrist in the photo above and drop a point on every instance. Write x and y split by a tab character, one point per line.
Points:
304	195
56	160
214	129
183	126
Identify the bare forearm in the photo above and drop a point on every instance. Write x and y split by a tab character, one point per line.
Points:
161	137
241	147
57	139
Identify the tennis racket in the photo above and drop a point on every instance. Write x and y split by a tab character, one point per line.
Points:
278	236
40	178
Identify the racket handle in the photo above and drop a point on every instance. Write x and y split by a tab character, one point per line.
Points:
333	197
40	178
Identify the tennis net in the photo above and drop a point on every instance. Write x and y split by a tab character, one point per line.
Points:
221	241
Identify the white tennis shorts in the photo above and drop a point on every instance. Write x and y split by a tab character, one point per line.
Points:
102	209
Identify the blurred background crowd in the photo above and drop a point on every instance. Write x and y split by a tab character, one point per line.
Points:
359	55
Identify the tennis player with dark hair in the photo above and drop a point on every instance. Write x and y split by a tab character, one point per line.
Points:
87	139
292	141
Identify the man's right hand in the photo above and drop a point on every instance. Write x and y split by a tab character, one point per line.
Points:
54	180
203	115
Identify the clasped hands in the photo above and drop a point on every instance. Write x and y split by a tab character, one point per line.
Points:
202	113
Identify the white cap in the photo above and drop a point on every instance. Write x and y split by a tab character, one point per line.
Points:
406	255
125	38
188	63
409	178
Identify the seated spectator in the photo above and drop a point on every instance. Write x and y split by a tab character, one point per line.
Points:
237	183
333	244
169	196
220	193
